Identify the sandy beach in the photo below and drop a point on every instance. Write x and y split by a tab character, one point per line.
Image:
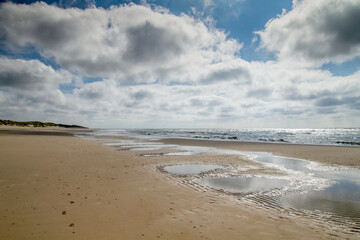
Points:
57	186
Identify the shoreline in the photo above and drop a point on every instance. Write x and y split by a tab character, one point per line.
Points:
261	142
56	186
339	155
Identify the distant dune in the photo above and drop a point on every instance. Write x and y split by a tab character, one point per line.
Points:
36	124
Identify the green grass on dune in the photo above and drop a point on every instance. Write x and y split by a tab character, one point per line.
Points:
36	124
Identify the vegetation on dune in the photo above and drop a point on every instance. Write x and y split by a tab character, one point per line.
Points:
36	124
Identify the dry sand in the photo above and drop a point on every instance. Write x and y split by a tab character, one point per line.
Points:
55	186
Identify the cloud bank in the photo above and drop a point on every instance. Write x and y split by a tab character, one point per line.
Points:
315	32
134	44
156	69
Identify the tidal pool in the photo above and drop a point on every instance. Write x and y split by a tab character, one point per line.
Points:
191	169
144	149
242	184
341	199
314	187
320	189
179	154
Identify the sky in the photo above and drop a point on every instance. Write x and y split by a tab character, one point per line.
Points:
181	64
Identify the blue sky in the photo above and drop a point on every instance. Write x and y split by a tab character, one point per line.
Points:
202	63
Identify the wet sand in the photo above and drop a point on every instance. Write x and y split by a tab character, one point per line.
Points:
341	155
56	186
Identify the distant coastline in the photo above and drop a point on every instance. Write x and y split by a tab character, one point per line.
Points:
36	124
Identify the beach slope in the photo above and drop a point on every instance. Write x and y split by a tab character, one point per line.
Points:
56	186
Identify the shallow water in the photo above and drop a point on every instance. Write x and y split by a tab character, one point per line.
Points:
341	199
242	184
313	186
191	169
179	154
144	149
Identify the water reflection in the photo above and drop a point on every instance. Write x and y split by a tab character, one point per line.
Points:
342	199
242	184
191	169
313	187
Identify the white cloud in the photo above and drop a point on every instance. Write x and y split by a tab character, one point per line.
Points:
129	43
31	75
272	99
30	88
96	90
315	32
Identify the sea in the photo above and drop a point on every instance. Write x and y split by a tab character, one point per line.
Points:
329	136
